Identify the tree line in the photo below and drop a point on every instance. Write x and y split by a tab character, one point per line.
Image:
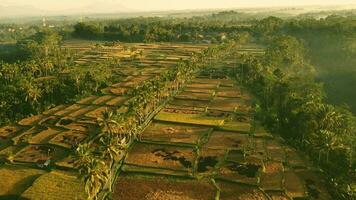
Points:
159	30
292	103
331	44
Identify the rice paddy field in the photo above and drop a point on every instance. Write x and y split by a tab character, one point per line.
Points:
204	144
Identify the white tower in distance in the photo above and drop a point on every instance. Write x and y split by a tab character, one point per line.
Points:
44	22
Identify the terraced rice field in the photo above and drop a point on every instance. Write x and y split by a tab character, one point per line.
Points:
204	144
37	152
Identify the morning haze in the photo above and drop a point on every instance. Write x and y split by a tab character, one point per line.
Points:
43	7
177	100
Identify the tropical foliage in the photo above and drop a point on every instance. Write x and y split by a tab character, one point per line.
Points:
46	75
292	104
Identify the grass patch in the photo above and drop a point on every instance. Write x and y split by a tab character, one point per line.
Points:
236	126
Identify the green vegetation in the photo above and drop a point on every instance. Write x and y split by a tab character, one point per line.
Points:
292	104
46	75
197	29
330	46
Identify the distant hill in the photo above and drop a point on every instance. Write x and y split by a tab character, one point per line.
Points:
23	11
19	11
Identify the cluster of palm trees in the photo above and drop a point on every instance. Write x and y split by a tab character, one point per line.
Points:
39	82
293	106
119	129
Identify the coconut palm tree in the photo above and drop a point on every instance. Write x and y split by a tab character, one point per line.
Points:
107	122
95	176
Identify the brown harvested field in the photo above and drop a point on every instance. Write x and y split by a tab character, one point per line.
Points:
157	188
56	185
229	92
227	140
97	112
117	101
203	85
54	110
29	121
68	139
10	131
82	111
271	181
246	173
118	91
150	155
229	104
233	191
28	134
277	195
198	90
101	100
87	100
294	185
190	103
194	96
16	179
44	136
37	154
174	133
69	109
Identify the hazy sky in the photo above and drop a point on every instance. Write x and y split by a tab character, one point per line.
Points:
148	5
